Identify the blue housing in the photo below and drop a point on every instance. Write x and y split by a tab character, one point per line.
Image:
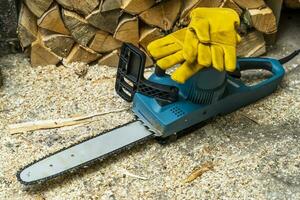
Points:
167	119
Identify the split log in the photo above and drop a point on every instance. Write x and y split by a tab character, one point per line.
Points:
111	59
136	6
162	15
41	55
231	4
189	5
106	21
108	5
209	3
252	45
38	7
148	34
51	20
263	20
59	44
103	42
27	28
128	30
250	4
82	54
149	62
83	7
81	31
292	3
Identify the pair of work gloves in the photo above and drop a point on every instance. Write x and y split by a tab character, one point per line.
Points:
209	41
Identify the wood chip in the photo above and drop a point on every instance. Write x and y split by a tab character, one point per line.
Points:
127	173
208	166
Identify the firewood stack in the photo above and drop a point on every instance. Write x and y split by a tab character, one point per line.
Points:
65	31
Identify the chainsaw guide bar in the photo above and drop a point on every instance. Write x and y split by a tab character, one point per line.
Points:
84	153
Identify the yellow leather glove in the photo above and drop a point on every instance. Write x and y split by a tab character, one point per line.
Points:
168	51
199	45
217	27
185	71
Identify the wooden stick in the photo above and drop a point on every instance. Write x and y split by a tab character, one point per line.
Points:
56	123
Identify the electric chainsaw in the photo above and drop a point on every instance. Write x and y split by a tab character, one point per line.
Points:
164	109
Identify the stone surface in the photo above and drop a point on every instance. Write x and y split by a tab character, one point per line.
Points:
8	26
255	150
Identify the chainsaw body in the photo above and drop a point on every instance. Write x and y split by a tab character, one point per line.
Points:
167	107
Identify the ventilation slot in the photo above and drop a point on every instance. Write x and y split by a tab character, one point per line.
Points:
177	111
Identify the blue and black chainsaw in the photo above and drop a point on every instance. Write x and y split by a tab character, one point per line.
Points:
163	108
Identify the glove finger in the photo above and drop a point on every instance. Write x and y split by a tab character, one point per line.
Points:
167	40
190	46
170	61
185	71
230	58
201	27
165	51
204	55
217	57
177	36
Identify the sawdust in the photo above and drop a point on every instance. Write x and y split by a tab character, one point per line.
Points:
257	156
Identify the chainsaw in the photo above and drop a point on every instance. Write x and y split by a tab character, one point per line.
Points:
163	108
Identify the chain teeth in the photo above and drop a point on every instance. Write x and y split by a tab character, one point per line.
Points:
84	165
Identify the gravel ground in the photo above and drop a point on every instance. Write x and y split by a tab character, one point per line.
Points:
254	151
